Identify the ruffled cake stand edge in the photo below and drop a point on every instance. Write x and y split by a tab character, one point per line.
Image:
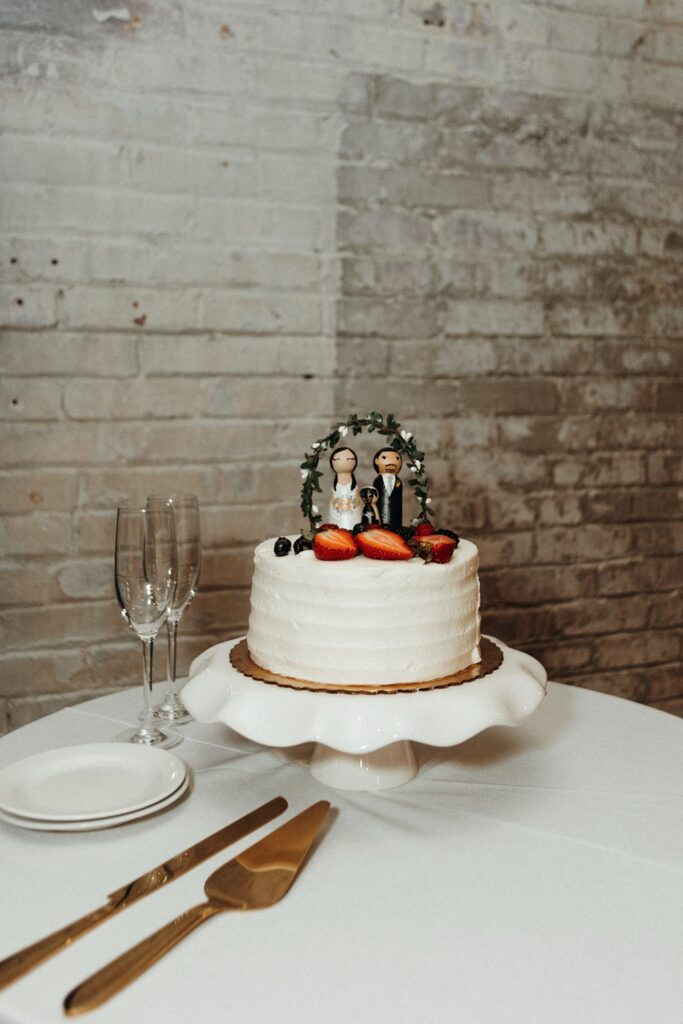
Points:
362	741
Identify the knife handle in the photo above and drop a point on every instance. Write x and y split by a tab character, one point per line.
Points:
20	963
114	976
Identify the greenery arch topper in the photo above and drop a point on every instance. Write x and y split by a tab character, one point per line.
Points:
402	440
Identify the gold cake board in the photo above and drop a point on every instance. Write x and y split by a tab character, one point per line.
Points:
491	659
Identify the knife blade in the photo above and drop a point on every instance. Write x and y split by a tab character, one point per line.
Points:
18	964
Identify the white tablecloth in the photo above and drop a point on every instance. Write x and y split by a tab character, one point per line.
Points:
528	875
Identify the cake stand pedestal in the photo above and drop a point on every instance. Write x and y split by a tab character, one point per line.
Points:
362	741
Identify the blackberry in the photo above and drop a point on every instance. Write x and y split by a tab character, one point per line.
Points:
405	531
282	546
302	544
359	528
449	533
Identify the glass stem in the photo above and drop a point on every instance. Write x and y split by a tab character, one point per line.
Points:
172	633
148	726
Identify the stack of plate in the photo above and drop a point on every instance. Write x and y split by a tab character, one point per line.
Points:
97	785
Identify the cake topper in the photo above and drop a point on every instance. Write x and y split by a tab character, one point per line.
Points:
388	462
398	440
345	504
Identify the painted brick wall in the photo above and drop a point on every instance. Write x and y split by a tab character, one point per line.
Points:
223	224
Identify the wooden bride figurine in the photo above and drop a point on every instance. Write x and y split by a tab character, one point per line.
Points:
345	504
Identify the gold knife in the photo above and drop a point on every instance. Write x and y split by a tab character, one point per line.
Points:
254	879
18	964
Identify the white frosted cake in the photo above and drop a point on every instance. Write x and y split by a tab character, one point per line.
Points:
364	621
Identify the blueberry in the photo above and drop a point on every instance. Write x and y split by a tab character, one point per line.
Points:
359	528
282	546
302	544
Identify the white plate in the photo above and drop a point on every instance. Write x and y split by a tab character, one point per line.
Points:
41	825
94	780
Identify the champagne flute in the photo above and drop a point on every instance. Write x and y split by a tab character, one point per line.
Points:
186	513
145	581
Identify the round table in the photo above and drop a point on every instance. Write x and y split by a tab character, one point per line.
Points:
526	875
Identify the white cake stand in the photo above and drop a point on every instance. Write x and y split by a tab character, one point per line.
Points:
362	741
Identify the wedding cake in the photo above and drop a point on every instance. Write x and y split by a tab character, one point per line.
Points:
363	600
364	621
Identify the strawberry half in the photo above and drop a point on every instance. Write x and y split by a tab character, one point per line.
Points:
383	545
334	545
436	548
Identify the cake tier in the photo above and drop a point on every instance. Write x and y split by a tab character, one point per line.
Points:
364	621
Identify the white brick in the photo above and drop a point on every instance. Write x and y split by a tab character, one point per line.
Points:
657	86
487	230
254	398
41	258
91	114
291	178
88	399
25	628
614	82
314	85
387	229
211	122
296	131
392	141
569	31
151	69
588	319
669	10
86	579
24	305
162	264
608	8
379	45
490	318
226	355
50	161
30	399
63	354
136	309
64	444
563	72
389	318
620	38
39	489
189	171
93	210
27	581
589	238
463	61
299	227
556	194
49	671
235	312
523	23
39	533
107	488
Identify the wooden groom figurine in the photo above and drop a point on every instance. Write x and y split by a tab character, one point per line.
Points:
388	462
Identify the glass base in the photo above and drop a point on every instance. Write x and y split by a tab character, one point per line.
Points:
173	711
165	738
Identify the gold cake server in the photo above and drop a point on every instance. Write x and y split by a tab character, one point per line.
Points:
18	964
255	879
